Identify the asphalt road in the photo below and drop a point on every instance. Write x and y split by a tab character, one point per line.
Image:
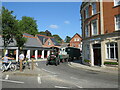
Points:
61	76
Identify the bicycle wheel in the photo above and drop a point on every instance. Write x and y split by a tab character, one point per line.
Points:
2	68
13	67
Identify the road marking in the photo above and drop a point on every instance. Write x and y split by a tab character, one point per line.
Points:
73	78
36	64
50	76
48	71
7	76
39	79
12	81
60	87
78	86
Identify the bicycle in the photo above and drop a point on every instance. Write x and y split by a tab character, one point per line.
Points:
10	66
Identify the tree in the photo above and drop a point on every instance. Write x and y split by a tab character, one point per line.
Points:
57	38
48	33
10	29
9	26
28	25
43	33
67	39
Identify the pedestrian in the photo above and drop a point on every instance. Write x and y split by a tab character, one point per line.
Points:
6	60
21	57
27	58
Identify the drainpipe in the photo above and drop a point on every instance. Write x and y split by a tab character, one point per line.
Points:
101	17
102	32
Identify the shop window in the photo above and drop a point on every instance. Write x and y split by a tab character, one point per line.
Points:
117	22
112	52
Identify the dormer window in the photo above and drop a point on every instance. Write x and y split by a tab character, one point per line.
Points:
49	43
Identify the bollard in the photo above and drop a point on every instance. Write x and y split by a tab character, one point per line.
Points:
32	64
20	65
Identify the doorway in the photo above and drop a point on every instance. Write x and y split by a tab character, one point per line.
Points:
97	54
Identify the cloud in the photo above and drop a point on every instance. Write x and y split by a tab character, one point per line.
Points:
67	22
53	26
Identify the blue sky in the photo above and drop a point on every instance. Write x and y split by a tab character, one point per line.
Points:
62	18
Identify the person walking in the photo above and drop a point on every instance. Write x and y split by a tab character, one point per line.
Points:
21	57
27	59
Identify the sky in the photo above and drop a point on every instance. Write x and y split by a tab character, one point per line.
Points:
62	18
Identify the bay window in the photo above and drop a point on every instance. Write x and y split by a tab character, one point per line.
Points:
112	52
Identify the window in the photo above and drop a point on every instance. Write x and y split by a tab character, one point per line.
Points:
112	52
117	22
74	39
88	51
94	27
49	43
87	30
86	12
93	8
116	2
78	39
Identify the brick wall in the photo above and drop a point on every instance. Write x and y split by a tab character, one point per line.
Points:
74	43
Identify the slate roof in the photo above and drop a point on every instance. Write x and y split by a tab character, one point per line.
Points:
55	42
32	41
44	38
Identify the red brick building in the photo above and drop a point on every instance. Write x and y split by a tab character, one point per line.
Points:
76	41
100	31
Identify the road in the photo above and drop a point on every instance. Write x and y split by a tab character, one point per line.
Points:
61	76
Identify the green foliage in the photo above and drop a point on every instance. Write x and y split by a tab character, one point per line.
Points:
10	29
57	38
48	33
43	33
67	39
111	63
28	25
85	60
9	26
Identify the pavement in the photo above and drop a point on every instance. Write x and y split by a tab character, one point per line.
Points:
78	64
106	69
